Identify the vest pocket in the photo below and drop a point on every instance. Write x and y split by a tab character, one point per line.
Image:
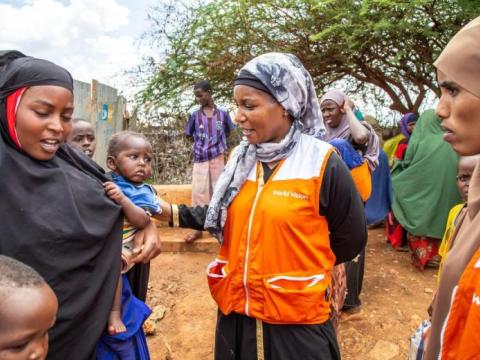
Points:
219	283
296	298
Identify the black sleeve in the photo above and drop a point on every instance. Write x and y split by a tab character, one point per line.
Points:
192	217
341	204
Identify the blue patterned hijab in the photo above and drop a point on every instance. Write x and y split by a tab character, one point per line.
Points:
287	80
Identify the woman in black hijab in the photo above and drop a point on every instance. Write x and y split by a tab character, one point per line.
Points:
55	215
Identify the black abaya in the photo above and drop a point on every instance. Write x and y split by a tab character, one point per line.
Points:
57	219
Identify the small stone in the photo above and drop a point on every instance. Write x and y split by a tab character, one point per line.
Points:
158	313
428	291
383	350
172	288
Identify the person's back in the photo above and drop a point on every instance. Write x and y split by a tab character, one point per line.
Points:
421	201
380	201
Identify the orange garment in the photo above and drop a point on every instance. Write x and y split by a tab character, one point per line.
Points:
461	340
275	262
363	180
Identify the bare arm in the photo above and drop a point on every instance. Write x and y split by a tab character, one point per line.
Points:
135	215
359	132
166	213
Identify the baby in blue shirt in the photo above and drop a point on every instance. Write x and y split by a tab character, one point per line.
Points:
129	156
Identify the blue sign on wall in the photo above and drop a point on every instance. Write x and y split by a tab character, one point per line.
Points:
104	115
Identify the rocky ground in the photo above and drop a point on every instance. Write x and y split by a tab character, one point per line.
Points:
395	298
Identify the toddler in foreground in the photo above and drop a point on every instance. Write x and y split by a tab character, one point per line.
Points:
129	156
466	165
28	311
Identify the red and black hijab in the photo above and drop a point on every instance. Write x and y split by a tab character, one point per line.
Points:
17	73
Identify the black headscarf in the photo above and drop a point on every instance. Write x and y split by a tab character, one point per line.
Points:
56	218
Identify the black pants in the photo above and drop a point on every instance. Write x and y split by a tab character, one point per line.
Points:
138	278
236	339
354	270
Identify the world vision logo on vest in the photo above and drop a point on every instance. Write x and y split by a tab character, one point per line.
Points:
291	194
476	300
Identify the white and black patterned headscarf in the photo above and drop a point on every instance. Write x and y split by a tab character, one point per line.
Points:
285	78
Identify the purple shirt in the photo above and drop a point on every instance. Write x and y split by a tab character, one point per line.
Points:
209	134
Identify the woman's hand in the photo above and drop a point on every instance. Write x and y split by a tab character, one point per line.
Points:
359	132
348	105
146	244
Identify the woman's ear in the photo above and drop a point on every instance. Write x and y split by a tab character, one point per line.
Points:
111	163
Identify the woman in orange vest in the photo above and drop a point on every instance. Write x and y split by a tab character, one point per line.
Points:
285	211
455	332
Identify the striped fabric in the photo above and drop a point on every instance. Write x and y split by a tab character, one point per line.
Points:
209	134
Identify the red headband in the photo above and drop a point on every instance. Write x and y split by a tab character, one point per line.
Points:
12	105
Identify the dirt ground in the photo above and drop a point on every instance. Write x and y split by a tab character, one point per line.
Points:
395	298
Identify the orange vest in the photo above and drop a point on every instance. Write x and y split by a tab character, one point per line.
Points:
363	180
461	339
275	262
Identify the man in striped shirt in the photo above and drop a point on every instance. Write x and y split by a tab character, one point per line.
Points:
209	126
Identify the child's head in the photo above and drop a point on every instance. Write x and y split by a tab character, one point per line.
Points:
28	309
129	155
203	92
466	165
82	137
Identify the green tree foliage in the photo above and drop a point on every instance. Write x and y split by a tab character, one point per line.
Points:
385	45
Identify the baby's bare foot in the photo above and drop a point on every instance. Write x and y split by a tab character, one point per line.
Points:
115	323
